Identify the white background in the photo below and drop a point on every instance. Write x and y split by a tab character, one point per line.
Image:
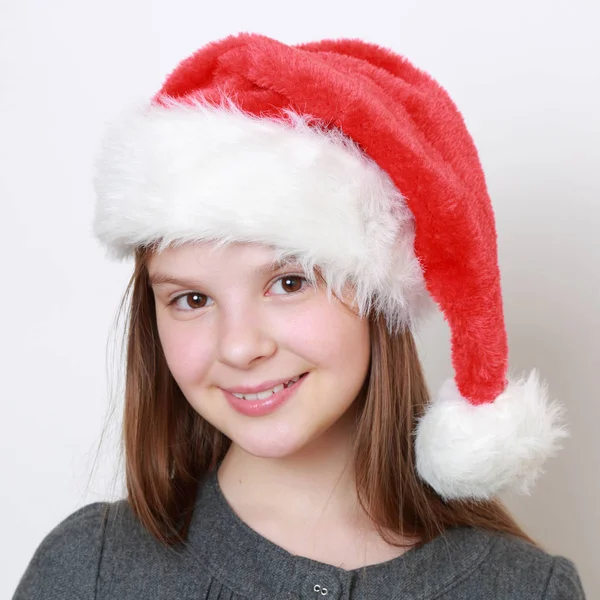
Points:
525	75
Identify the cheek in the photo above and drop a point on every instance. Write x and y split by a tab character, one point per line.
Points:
330	338
187	354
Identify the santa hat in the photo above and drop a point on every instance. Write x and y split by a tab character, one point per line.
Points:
344	155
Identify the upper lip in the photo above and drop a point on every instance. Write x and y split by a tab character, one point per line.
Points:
255	389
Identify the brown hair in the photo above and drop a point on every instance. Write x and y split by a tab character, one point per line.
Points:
169	447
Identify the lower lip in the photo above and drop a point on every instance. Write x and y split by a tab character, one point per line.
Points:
259	408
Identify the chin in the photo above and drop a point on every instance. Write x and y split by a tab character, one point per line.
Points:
272	444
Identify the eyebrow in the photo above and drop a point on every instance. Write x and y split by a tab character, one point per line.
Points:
158	278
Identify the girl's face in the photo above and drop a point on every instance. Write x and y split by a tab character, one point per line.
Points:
232	320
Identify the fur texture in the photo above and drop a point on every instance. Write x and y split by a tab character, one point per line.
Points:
193	172
468	451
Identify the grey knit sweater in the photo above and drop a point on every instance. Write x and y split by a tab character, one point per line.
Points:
102	552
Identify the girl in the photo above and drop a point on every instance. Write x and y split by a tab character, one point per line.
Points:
294	212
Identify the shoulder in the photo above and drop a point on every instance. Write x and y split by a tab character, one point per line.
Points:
103	551
564	581
65	564
514	568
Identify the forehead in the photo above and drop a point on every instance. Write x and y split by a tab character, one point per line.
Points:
209	257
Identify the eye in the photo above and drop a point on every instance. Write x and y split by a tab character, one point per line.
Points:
193	301
291	284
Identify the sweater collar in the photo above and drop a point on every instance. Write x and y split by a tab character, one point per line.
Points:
254	567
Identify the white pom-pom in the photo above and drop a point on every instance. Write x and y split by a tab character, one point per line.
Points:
468	451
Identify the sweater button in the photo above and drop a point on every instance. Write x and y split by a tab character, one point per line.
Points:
321	585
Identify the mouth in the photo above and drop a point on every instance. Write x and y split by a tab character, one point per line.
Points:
267	393
266	402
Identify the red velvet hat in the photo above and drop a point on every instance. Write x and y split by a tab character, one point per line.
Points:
346	156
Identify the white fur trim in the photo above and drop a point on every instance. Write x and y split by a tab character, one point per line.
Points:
193	173
468	451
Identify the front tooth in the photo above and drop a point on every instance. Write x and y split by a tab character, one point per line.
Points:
265	395
261	395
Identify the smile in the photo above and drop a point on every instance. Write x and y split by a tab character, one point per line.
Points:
266	393
265	402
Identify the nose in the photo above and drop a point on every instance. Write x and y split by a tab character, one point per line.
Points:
244	338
